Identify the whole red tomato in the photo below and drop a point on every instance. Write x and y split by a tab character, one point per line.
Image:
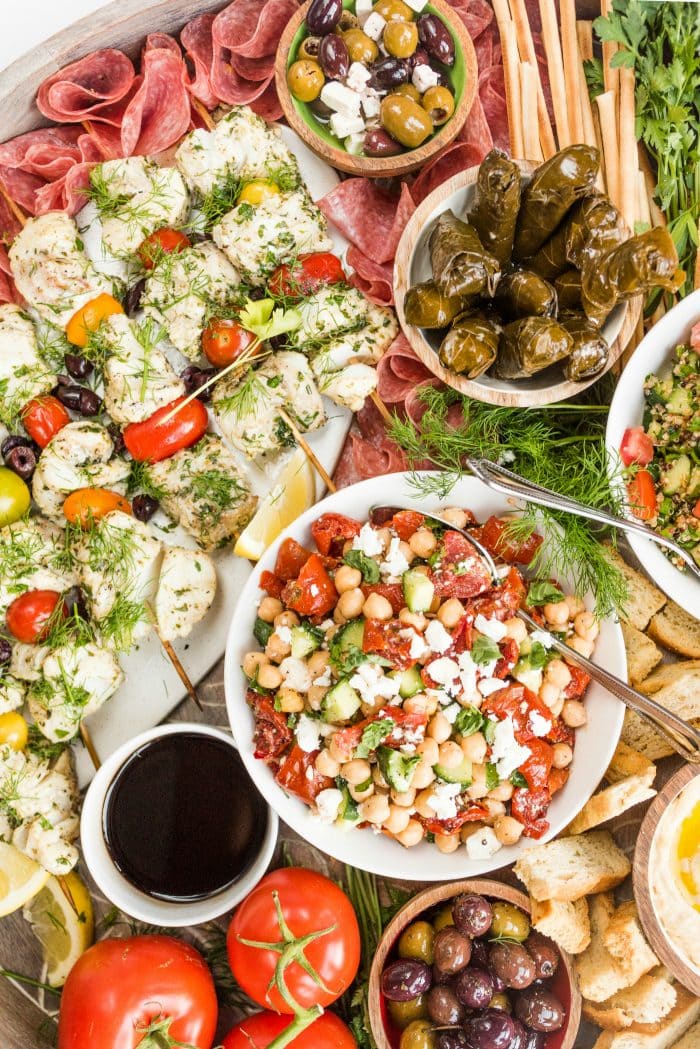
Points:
155	439
224	340
163	242
29	616
306	275
43	417
258	1030
310	903
119	987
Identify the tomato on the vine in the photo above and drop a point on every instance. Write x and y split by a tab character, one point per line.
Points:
29	616
260	1029
224	340
43	417
163	242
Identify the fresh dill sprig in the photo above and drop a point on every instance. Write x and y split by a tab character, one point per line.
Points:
222	199
140	480
42	747
101	192
244	399
118	626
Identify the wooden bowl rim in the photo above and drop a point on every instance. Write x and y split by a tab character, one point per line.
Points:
472	387
661	945
379	167
428	898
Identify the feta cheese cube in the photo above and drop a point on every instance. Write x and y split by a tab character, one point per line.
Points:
539	724
482	844
358	77
342	126
369	541
341	99
437	637
355	143
363	9
308	733
416	5
492	628
543	636
444	670
489	685
371	103
506	753
424	77
328	804
395	564
442	800
374	26
451	712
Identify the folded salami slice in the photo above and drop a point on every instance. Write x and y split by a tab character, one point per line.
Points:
371	219
252	28
368	452
375	281
88	89
196	39
399	371
159	113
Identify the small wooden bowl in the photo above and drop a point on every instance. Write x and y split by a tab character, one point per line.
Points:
663	947
565	980
412	264
322	142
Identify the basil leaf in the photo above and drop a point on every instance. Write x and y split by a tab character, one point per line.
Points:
348	807
484	650
543	592
468	721
262	631
372	736
517	779
492	777
367	565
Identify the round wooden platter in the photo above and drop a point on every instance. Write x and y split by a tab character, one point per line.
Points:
430	898
379	167
526	393
663	948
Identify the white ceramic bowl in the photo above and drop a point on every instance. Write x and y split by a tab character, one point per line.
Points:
595	742
116	887
653	355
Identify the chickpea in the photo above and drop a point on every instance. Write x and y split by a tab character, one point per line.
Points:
289	701
586	626
347	578
423	805
493	807
558	706
515	629
397	820
385	537
562	755
356	771
326	764
269	676
556	613
411	835
336	750
276	649
574	713
251	662
549	694
503	792
351	602
447	842
575	604
377	607
414	619
417	704
558	674
317	662
507	829
454	516
361	795
474	747
269	608
478	788
315	696
440	729
286	619
450	612
580	645
375	809
405	549
422	543
428	749
378	777
450	754
423	775
404	799
423	570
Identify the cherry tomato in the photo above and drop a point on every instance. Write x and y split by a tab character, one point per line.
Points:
163	242
313	592
154	439
86	505
271	584
14	730
406	522
118	987
529	808
294	778
502	545
14	497
271	734
308	274
89	317
538	766
347	739
642	496
310	903
43	417
258	1030
29	615
291	558
258	190
637	446
451	824
331	531
224	340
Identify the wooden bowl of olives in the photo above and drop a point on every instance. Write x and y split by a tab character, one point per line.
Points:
376	87
459	967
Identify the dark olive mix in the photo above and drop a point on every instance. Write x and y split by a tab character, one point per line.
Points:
520	1037
79	399
5	651
492	1029
333	56
379	144
512	963
194	378
404	1013
452	1040
310	47
77	366
323	16
444	1007
540	1010
474	988
75	603
406	979
388	73
132	299
452	950
144	507
436	39
544	954
480	953
22	460
472	914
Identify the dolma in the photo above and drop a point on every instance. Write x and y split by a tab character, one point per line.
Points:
471	345
554	188
461	265
634	267
590	351
425	306
496	204
524	294
568	289
593	227
529	346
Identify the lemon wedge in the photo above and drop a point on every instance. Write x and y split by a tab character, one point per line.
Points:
293	492
20	879
63	933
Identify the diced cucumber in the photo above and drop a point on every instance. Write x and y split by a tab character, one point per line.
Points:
304	640
340	702
679	402
461	774
410	682
350	636
675	478
418	591
397	769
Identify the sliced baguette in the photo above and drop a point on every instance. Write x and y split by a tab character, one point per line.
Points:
677	630
682	696
664	1035
647	1002
644	599
691	1038
566	923
668	674
569	868
613	800
642	654
600	972
625	939
629	762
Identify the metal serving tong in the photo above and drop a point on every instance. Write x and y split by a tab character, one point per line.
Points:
684	739
508	483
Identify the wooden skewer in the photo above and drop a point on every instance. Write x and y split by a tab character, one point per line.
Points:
182	673
584	33
555	65
643	210
382	408
89	745
528	101
203	112
569	45
526	47
511	72
608	130
307	450
65	889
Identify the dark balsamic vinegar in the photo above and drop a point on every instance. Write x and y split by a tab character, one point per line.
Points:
182	819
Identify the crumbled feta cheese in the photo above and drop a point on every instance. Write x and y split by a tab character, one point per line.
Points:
395	563
363	9
327	625
492	628
342	126
489	685
543	636
296	674
324	679
442	800
308	733
418	647
408	748
355	143
529	677
540	725
451	712
502	571
371	103
424	77
328	804
444	670
417	5
369	541
358	75
437	637
506	753
482	844
284	633
372	683
468	671
374	26
340	99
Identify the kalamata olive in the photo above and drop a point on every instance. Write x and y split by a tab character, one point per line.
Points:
388	73
5	651
472	914
194	378
480	954
323	16
79	399
452	1040
444	1007
75	604
21	460
534	1039
417	941
420	57
405	120
452	950
544	954
498	984
520	1036
513	964
418	1035
474	987
321	111
509	922
436	38
14	440
132	299
333	56
310	48
404	1013
77	366
439	977
378	144
117	438
540	1010
400	38
406	979
144	507
492	1029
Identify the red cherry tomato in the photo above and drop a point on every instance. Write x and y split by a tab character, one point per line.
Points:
331	531
310	903
538	766
118	987
163	242
307	275
224	340
293	775
637	446
43	417
291	558
257	1031
529	808
312	593
407	725
642	496
388	640
406	522
29	615
154	439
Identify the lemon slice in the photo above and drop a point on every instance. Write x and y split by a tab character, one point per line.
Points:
294	492
62	933
20	879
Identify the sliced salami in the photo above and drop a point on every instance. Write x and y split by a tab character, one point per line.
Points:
196	39
477	15
375	281
90	88
368	452
159	113
252	28
399	371
370	218
162	42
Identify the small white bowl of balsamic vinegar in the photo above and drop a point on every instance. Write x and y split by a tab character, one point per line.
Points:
173	830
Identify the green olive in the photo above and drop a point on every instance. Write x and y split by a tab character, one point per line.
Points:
348	21
501	1001
409	91
360	47
305	79
308	48
417	942
404	1013
509	922
400	38
405	120
443	918
439	103
393	11
418	1035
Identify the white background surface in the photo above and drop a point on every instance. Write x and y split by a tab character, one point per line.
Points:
33	21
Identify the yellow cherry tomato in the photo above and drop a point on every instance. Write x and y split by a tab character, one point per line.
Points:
86	505
89	317
14	730
258	190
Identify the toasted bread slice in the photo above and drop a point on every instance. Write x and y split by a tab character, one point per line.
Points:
613	800
663	1035
691	1038
642	654
566	923
647	1002
644	599
602	972
668	674
682	696
629	762
569	868
677	630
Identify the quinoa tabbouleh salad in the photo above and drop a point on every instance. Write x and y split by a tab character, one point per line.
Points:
396	688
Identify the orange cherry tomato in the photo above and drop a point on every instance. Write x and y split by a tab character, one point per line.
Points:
90	504
163	242
43	417
89	317
696	510
224	340
28	617
642	495
155	439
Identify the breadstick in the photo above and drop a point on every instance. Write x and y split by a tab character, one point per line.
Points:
528	98
591	135
657	216
526	47
611	78
555	65
509	51
628	148
569	45
608	131
643	209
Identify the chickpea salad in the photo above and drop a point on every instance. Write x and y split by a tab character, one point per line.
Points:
395	688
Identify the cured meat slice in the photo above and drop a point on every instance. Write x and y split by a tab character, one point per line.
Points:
196	39
252	28
477	15
375	281
159	113
162	42
8	226
48	168
370	218
88	89
399	371
368	452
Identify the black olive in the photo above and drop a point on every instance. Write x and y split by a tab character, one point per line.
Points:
132	300
5	651
452	950
77	365
75	604
16	441
444	1006
194	378
512	963
405	979
540	1010
79	399
472	914
21	460
544	954
144	507
117	438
